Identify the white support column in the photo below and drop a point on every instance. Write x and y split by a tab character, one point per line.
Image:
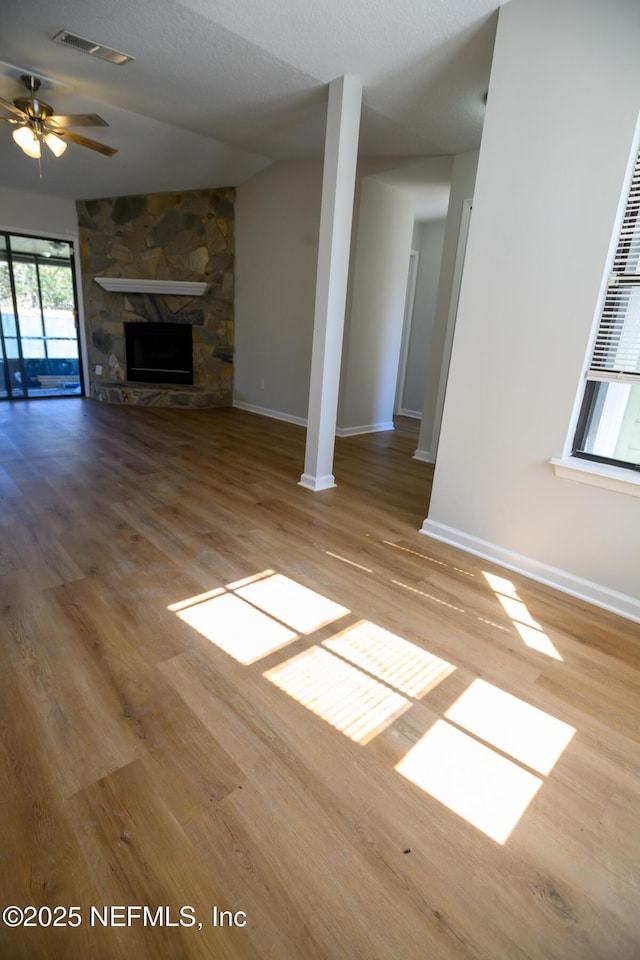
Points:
336	215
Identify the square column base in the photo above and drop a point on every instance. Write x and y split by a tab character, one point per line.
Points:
310	482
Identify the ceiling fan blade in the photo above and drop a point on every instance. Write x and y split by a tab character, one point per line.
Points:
77	120
13	109
84	142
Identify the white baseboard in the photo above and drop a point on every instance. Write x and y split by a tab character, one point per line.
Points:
302	422
414	414
424	455
368	428
273	414
611	600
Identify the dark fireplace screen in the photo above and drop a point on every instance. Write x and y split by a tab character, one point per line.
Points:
159	352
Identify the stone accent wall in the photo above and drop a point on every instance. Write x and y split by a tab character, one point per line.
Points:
162	236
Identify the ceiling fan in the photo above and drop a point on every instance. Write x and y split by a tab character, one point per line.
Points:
37	124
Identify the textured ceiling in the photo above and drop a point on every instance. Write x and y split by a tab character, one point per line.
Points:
220	88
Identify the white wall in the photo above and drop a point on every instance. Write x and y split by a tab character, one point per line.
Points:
383	244
463	177
431	240
277	218
35	213
558	135
277	221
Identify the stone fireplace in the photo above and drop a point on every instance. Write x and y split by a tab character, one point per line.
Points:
157	275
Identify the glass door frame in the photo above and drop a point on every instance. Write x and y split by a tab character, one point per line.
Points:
37	259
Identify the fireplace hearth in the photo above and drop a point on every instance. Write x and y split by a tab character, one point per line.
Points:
159	353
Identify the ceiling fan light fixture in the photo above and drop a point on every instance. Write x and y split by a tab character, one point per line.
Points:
27	141
38	122
55	144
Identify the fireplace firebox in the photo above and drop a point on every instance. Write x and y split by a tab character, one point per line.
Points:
159	352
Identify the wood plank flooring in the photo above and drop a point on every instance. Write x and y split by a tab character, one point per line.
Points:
290	713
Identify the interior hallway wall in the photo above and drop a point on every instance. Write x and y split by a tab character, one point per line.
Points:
462	185
430	246
374	331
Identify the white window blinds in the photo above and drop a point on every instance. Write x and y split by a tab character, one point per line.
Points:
616	354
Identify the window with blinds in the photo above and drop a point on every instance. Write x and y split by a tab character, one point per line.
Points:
609	423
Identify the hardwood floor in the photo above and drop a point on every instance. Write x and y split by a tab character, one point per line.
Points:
291	713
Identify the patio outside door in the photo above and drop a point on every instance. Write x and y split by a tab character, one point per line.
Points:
40	351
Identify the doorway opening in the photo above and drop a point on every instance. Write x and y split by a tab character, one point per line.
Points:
40	350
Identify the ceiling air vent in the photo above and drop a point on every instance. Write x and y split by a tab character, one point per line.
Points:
91	47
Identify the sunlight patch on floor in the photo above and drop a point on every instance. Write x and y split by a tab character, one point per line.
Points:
484	759
463	771
351	563
348	699
528	628
245	581
301	608
236	627
253	617
527	734
425	556
192	601
484	788
429	596
397	662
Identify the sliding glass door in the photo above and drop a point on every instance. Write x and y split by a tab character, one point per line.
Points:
38	319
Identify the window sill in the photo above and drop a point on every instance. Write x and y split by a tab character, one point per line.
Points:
598	474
